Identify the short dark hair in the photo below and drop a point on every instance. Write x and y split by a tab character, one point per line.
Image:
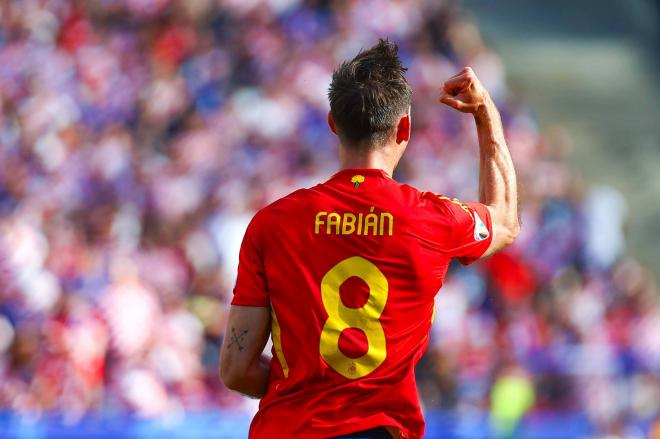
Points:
368	95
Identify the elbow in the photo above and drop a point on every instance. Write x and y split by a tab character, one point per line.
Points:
230	380
506	233
230	376
511	233
506	224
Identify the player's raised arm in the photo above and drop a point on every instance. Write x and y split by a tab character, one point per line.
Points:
497	177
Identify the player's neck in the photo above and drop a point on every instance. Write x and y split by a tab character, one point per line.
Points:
381	158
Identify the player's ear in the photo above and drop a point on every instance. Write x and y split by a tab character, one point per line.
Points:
403	129
331	122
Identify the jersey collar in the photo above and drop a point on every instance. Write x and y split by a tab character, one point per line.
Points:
372	172
357	177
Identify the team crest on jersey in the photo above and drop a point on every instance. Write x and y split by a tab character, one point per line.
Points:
480	229
356	180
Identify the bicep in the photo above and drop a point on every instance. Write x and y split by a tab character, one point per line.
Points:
246	335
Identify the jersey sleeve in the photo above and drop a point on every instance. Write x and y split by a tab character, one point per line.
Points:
251	288
467	228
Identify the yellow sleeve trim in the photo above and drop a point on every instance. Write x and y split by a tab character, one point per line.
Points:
277	342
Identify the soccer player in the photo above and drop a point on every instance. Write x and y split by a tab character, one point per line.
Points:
343	275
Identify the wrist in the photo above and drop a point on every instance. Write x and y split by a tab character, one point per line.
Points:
485	109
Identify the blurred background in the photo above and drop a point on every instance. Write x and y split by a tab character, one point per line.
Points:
137	138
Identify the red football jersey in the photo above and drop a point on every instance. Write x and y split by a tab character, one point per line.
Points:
350	269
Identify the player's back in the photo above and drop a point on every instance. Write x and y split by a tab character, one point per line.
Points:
350	269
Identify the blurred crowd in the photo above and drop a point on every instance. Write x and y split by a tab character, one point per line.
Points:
137	138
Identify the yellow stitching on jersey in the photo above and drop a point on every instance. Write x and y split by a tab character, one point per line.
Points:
455	201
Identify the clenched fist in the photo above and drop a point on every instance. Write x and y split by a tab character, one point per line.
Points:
464	92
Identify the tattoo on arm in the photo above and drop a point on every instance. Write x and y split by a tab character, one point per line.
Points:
237	339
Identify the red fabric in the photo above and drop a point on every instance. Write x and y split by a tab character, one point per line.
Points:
75	31
282	262
512	276
172	45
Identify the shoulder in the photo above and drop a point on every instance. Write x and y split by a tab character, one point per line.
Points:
427	199
449	204
422	196
285	205
437	204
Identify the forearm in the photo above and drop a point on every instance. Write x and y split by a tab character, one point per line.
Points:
497	176
253	381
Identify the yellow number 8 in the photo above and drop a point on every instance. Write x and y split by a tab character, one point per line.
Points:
366	318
